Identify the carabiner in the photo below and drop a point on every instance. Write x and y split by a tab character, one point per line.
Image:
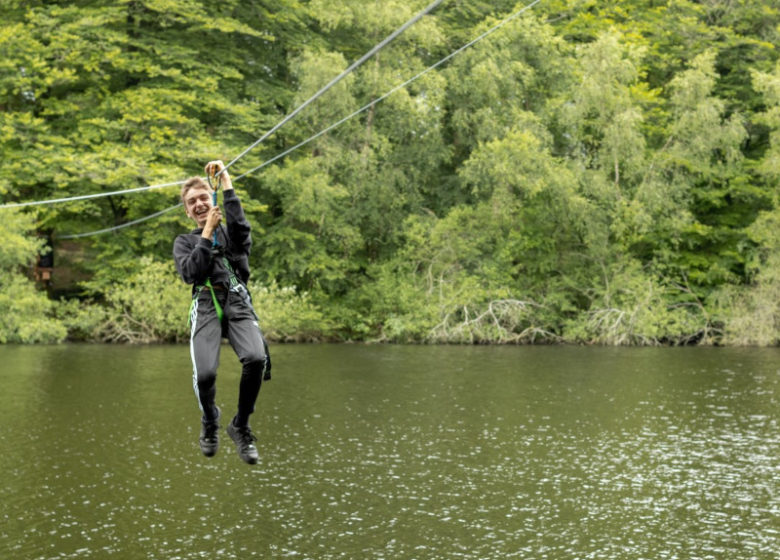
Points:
210	176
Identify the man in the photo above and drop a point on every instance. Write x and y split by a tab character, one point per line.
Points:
215	260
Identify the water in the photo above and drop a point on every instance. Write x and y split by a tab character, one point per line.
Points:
396	452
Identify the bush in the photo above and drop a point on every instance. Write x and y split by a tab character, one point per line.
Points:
26	315
83	320
635	308
149	306
288	316
456	308
499	321
751	315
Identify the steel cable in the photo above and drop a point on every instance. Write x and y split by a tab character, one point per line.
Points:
454	53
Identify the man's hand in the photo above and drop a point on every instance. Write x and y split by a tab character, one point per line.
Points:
216	166
212	221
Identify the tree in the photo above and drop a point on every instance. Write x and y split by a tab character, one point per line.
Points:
752	313
592	171
107	96
26	314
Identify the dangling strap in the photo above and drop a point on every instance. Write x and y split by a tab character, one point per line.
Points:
217	306
234	282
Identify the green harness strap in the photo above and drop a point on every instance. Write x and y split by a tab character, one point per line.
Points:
233	283
217	306
233	278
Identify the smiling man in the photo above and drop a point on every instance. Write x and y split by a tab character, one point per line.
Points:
217	266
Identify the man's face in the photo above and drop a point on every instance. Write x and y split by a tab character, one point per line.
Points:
197	204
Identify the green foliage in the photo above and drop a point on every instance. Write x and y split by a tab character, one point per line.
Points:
603	116
83	320
768	84
120	95
18	249
150	305
591	173
633	307
289	316
307	244
751	316
25	313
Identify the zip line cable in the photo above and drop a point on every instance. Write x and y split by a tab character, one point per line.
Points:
86	196
120	226
454	53
379	46
337	79
368	105
393	90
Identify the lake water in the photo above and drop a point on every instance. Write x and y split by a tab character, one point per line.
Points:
395	452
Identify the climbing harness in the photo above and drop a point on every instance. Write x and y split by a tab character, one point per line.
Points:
235	286
217	306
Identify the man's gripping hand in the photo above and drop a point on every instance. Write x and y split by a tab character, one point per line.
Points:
212	221
217	167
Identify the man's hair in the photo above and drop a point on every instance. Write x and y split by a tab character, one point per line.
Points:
193	183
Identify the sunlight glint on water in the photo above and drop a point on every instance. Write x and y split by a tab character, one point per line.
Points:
396	452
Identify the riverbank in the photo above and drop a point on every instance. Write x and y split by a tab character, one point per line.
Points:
288	317
150	306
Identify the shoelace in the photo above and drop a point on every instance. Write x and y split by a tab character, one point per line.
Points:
247	437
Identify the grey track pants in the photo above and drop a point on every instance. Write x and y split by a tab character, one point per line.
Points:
239	326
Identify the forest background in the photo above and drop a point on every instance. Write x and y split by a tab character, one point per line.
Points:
597	172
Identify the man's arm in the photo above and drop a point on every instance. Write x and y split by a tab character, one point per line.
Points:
193	262
238	227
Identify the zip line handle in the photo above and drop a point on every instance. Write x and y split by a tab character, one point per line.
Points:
214	179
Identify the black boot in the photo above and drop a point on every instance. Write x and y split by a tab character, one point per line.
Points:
245	442
209	436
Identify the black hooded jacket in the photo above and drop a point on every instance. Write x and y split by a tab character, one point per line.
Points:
196	259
